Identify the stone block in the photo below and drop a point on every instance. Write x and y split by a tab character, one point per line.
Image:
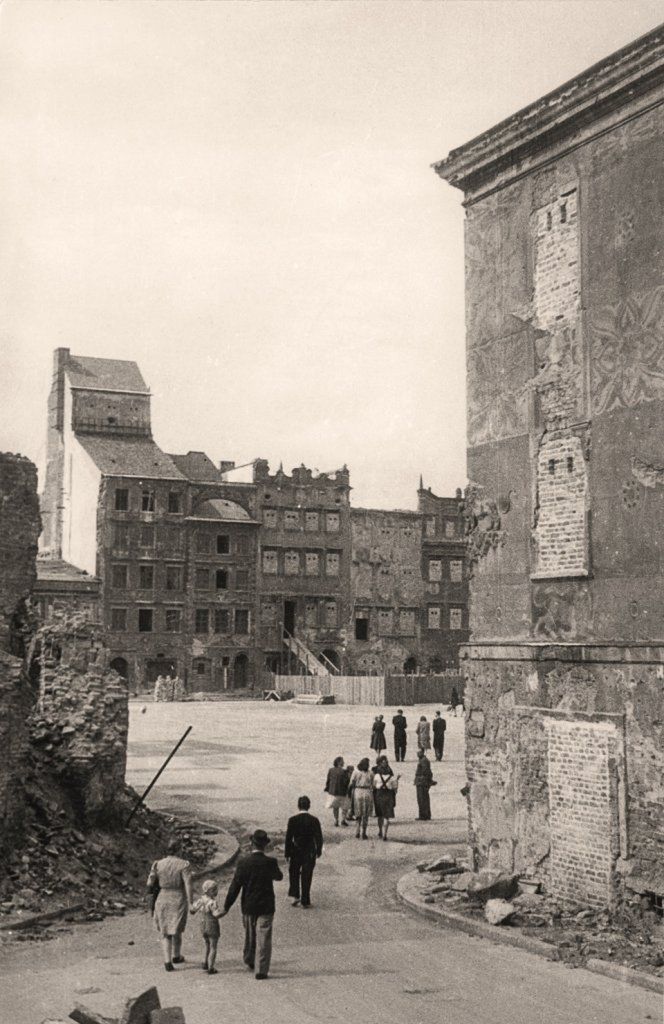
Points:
488	886
498	911
138	1009
441	864
168	1015
460	883
82	1015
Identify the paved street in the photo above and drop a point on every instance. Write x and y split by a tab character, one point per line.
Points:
357	955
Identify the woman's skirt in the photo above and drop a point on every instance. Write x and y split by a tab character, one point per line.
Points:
334	803
363	803
170	912
384	800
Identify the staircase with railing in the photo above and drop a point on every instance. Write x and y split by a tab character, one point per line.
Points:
315	665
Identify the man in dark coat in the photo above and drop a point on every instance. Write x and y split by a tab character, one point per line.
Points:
439	727
304	844
423	782
254	878
400	724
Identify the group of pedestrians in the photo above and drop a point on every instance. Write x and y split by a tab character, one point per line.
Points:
422	731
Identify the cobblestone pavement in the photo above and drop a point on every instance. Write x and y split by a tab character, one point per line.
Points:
357	955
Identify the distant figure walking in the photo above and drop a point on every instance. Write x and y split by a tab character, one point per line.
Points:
423	734
170	880
336	786
378	735
400	725
454	700
304	844
254	877
439	727
362	783
423	782
385	785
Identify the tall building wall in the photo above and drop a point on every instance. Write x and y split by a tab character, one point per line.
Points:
565	368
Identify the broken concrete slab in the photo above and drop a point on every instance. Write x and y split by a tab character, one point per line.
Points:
459	883
168	1015
488	885
138	1009
83	1015
441	863
498	911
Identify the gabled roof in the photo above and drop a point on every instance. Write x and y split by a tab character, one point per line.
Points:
58	572
105	374
197	467
129	456
221	510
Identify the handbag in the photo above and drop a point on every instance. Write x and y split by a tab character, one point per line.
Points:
152	893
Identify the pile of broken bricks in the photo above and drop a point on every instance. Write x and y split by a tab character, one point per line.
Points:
143	1009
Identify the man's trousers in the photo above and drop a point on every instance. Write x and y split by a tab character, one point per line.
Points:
258	941
300	872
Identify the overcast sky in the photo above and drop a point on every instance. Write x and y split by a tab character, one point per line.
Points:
239	197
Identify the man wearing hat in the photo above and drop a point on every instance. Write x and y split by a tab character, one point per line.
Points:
254	877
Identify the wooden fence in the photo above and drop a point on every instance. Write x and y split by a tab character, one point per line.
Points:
378	691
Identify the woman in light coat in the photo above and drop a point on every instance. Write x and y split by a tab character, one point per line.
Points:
170	878
423	731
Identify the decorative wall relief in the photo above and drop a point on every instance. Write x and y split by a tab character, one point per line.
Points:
497	373
483	525
627	344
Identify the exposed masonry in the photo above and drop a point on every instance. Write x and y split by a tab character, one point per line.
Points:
557	289
583	810
560	534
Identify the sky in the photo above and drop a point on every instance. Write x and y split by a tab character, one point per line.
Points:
239	197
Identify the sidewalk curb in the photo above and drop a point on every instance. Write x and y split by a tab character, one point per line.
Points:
514	938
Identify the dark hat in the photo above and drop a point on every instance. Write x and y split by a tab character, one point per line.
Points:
260	838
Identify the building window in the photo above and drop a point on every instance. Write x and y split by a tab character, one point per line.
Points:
202	543
450	528
120	536
331	614
145	616
311	563
385	621
201	668
173	577
456	570
202	579
119	577
455	618
221	579
332	563
242	544
173	501
407	622
435	569
311	521
146	537
270	518
173	620
332	522
292	563
433	617
222	620
362	627
202	620
119	620
241	579
173	537
311	614
270	564
430	526
269	613
291	520
147	501
223	544
145	577
121	499
241	621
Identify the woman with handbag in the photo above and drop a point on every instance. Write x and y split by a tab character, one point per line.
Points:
170	894
385	785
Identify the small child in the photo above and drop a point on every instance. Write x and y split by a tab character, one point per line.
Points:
209	922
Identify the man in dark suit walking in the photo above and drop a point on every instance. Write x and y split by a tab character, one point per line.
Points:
304	844
439	727
254	878
400	724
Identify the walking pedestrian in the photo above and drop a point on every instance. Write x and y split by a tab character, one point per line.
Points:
439	727
350	816
385	785
423	734
209	922
362	782
454	700
304	844
336	786
400	724
169	884
254	877
423	782
378	735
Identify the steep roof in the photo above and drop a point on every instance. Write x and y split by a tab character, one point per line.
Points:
57	571
197	467
105	374
129	456
221	510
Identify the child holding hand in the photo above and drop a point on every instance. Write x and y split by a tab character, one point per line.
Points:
207	903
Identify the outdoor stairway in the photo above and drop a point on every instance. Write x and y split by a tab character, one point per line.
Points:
312	664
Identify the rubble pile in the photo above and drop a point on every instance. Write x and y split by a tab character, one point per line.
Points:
143	1009
632	935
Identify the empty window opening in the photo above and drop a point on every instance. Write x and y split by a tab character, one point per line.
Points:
121	499
552	466
145	620
570	463
202	620
223	544
173	502
222	579
563	213
147	501
362	629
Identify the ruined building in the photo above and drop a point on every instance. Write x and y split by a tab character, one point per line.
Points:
565	337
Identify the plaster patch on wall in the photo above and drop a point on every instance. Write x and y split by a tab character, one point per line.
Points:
646	473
